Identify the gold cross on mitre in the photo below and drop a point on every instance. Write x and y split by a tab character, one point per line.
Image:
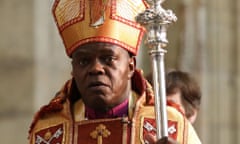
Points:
97	12
99	133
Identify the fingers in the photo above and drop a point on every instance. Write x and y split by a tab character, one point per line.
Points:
153	140
150	138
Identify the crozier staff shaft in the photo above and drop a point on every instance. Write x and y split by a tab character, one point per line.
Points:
156	20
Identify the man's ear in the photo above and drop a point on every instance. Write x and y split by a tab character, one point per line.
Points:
132	66
193	118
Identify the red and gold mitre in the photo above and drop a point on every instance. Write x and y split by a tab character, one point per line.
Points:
113	21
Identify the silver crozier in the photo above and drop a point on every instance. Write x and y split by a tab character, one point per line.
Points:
156	20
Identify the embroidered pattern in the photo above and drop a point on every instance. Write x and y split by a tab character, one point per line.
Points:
97	12
149	127
99	133
52	135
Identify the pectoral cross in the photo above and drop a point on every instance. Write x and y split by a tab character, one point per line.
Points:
99	133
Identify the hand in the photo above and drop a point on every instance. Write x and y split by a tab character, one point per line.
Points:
165	140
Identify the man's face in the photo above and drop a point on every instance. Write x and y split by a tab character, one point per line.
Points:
102	72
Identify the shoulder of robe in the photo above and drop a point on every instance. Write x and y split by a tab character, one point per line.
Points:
54	106
180	128
141	86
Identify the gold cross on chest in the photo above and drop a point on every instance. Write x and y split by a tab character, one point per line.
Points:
99	133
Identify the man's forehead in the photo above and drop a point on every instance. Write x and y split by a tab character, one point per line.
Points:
99	47
98	44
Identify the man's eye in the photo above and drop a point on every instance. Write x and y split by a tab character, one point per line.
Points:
83	61
108	59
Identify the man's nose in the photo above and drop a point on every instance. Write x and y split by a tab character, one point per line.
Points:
96	67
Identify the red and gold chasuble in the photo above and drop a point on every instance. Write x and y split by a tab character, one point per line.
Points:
108	131
68	124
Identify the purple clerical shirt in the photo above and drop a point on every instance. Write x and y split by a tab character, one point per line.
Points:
118	111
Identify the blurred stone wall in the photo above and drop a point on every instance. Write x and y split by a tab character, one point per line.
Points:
16	70
33	65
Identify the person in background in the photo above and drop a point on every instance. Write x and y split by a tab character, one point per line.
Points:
183	91
107	100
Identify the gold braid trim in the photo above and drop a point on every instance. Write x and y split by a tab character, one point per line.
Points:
55	105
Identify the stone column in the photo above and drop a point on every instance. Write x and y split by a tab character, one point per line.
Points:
16	70
52	66
236	76
210	51
221	71
211	54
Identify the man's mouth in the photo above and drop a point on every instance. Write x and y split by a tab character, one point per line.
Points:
96	84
